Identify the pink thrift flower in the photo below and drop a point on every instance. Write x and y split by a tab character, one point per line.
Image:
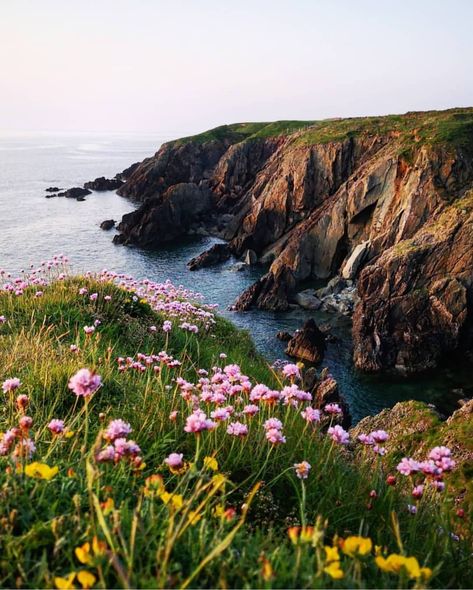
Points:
408	466
311	414
418	491
339	435
94	297
275	436
438	485
117	429
89	329
437	453
379	436
366	439
412	509
291	370
272	424
10	385
220	414
167	326
84	383
250	410
302	469
25	422
22	402
237	429
333	409
197	422
174	460
56	426
173	415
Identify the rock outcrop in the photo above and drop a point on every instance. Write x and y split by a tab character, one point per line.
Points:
107	224
360	199
104	184
216	254
308	343
75	192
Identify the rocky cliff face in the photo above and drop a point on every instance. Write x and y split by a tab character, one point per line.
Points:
383	200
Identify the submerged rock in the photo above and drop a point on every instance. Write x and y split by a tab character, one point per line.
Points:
216	254
75	192
284	336
53	189
308	343
107	224
104	184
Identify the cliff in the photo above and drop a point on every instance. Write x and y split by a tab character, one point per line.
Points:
383	200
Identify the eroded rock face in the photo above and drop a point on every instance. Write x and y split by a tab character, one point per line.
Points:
308	343
350	207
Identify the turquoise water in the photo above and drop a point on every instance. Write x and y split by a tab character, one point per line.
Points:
33	228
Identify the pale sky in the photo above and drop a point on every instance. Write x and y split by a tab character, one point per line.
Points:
181	66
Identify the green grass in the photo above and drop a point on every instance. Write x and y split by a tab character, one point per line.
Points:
148	543
451	128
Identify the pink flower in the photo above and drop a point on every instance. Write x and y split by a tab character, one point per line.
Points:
311	414
250	410
56	426
167	326
437	453
418	491
366	439
89	329
22	402
220	414
222	355
379	436
3	319
174	460
408	466
197	422
237	429
339	435
25	422
152	329
412	509
125	448
438	485
82	291
173	415
108	298
84	383
302	469
272	424
10	385
74	348
117	429
275	436
94	297
106	454
291	370
333	409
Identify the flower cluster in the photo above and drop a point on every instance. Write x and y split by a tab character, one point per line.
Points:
119	448
144	362
428	472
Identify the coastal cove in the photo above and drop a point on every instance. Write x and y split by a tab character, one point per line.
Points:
34	228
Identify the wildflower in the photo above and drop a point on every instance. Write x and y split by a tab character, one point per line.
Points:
379	436
65	583
174	462
25	422
412	509
94	297
220	414
366	439
11	385
311	414
291	370
460	513
333	409
395	563
437	453
40	471
86	579
83	291
353	546
97	323
250	410
25	448
275	436
302	469
89	329
152	329
331	554
107	298
267	572
194	517
334	570
84	383
272	423
117	429
22	402
418	491
408	466
38	294
173	415
339	435
3	319
298	534
167	326
222	355
74	348
237	429
197	422
176	500
211	463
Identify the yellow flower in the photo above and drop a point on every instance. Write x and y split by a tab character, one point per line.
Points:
83	553
267	572
69	434
176	500
219	511
218	480
302	534
98	547
65	583
394	563
334	570
354	546
108	506
86	579
331	554
40	471
154	485
194	517
211	463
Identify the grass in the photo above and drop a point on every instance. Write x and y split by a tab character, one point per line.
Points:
219	523
451	128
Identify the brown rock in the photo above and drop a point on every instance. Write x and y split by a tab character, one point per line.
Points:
308	344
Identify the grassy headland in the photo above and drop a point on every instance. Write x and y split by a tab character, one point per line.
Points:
94	492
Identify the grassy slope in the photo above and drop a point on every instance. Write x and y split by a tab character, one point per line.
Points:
38	517
453	127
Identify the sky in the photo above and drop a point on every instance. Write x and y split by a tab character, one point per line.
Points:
177	67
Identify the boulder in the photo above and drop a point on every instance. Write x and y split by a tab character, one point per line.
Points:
75	192
355	260
307	300
283	336
216	254
104	184
53	189
107	224
250	257
272	291
308	343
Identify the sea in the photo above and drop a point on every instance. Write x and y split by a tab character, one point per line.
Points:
34	228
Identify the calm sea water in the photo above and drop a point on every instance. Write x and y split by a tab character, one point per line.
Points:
33	228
